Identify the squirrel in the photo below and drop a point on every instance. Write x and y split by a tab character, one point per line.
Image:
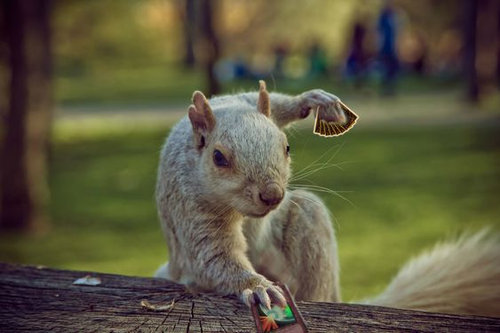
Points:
233	227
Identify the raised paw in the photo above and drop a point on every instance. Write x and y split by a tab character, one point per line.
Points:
318	98
321	101
265	293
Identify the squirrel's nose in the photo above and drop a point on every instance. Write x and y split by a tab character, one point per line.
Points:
272	194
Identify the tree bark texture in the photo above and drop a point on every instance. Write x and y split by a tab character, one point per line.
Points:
38	299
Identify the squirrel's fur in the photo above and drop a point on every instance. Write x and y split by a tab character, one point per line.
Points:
233	227
461	276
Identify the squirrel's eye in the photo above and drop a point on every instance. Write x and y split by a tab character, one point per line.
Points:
220	160
287	149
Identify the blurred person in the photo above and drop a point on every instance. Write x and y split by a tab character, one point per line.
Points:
387	56
318	64
229	69
357	59
242	70
419	64
280	55
413	52
448	64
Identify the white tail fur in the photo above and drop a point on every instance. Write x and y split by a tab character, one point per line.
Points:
460	277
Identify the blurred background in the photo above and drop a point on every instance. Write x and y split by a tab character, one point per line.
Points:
89	90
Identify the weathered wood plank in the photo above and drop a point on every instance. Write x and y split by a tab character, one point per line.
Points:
43	299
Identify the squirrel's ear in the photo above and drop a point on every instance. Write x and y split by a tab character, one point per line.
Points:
201	117
264	103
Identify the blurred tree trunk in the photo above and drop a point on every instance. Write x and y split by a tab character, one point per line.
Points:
189	32
23	173
210	42
498	46
469	60
486	45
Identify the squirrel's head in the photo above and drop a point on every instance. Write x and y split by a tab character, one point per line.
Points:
244	156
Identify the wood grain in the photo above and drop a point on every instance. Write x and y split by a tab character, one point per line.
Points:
44	299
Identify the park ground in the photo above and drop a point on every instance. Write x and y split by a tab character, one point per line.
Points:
419	168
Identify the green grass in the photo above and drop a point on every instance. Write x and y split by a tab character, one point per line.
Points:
150	85
172	83
409	187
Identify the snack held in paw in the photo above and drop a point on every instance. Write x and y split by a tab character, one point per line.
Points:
279	318
334	120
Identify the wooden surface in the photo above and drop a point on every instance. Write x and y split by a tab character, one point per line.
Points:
43	299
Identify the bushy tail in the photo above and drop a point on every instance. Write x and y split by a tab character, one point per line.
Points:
461	277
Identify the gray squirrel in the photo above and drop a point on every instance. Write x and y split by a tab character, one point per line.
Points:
233	227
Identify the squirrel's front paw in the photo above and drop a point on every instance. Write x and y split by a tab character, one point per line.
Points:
265	292
321	101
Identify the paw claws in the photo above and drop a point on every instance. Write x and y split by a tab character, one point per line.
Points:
264	298
276	293
265	294
247	297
